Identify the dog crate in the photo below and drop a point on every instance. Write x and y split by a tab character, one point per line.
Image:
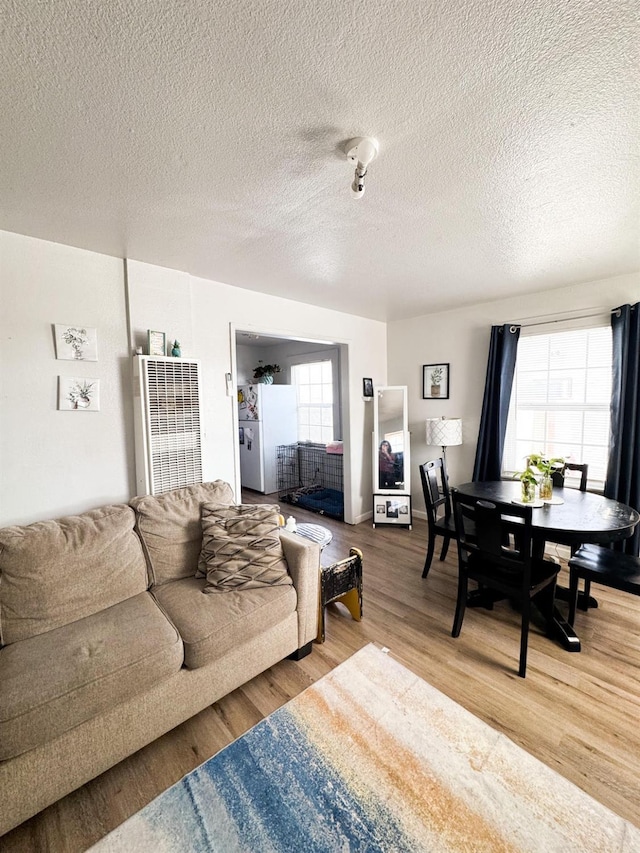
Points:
310	477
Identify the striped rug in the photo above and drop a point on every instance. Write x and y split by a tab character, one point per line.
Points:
372	758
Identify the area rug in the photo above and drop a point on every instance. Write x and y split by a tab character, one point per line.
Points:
372	758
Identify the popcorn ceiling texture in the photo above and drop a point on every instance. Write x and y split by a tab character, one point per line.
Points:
207	137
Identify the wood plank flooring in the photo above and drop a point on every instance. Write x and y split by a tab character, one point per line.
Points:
578	713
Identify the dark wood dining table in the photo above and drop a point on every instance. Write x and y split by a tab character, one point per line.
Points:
582	517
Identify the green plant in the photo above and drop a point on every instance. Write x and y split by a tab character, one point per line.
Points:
265	370
545	465
436	376
526	476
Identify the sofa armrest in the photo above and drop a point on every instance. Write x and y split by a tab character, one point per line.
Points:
303	562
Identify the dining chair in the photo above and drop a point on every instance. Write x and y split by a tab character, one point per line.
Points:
559	477
495	550
604	566
560	480
435	486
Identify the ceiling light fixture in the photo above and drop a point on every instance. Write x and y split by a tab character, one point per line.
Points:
361	151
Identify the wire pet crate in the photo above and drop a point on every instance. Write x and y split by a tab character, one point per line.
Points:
310	477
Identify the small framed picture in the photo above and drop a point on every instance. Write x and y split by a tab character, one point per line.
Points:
157	343
392	509
367	387
76	343
78	394
435	381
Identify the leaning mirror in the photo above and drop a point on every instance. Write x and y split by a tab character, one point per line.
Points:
390	439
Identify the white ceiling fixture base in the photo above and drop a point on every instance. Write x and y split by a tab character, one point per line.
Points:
361	151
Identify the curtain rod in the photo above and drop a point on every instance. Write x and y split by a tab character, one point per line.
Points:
600	313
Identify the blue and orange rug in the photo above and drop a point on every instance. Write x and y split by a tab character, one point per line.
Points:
372	758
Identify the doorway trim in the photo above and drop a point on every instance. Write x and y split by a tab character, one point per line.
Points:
287	334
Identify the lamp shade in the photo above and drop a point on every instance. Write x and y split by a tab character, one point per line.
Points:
444	431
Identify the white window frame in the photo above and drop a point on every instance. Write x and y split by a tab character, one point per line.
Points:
332	355
544	330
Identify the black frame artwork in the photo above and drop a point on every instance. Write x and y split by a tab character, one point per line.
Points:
428	386
367	387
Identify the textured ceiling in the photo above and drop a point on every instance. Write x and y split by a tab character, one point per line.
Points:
207	136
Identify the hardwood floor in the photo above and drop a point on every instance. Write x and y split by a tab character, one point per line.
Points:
578	713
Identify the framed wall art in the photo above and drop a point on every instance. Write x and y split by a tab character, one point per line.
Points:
78	394
392	509
367	387
435	381
76	343
156	343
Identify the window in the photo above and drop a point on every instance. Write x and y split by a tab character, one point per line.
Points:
314	381
560	400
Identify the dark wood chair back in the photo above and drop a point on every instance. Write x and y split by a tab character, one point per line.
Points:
437	500
435	487
495	550
559	477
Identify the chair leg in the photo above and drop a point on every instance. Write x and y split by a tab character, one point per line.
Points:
573	595
461	604
445	547
524	636
430	549
584	605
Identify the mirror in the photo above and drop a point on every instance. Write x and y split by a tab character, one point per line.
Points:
391	439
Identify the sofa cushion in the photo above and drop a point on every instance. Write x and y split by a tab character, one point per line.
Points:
170	528
241	548
55	572
55	681
212	625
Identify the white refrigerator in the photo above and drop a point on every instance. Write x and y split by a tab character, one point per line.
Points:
267	417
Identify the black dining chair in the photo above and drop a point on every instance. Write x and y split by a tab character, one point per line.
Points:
495	550
604	566
560	480
435	486
559	477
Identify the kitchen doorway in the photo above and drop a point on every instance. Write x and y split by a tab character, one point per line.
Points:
321	371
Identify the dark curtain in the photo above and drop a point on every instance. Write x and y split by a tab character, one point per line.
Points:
623	472
495	406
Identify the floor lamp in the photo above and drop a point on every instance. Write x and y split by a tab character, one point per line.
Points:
446	432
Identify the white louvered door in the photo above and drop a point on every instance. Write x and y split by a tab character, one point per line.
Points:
168	430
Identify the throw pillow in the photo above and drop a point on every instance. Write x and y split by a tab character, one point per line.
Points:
241	548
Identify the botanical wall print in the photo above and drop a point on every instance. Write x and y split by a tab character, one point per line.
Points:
76	343
78	394
435	381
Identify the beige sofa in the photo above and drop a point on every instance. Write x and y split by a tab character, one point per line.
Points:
108	641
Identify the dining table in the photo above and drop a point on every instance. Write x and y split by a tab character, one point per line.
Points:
570	518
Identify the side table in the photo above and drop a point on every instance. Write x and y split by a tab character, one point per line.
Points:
315	532
342	582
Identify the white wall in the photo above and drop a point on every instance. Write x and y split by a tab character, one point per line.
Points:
461	338
204	315
54	462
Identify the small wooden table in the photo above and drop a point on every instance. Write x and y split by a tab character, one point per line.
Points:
342	582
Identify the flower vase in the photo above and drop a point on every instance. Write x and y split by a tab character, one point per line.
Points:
528	491
267	379
546	488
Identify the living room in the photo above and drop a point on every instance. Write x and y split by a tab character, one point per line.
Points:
112	224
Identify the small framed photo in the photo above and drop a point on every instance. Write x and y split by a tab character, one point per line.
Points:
157	343
435	381
76	343
367	387
392	509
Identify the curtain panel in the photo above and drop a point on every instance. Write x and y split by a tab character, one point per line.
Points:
501	367
623	472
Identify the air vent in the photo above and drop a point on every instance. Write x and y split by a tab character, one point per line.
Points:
168	430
